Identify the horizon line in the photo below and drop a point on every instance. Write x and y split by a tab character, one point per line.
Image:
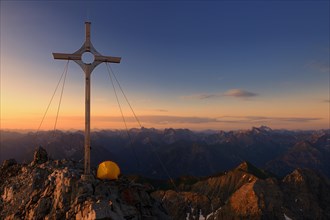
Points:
158	129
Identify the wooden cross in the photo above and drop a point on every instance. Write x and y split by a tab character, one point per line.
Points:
87	49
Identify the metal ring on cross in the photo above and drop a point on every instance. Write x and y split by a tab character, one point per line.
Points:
87	57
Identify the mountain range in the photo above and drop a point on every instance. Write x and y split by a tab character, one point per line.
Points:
159	154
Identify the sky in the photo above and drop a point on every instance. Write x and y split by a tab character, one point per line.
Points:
221	65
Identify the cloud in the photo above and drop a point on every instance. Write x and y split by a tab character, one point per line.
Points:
157	119
175	119
201	96
297	119
160	110
167	119
326	100
263	119
238	93
323	67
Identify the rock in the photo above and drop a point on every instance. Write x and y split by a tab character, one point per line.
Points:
8	194
40	156
248	193
8	163
49	191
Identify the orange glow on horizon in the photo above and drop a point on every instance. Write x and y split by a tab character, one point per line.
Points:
162	122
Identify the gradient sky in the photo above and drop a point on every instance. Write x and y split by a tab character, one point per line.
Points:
185	64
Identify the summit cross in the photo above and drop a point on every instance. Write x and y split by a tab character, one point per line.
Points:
87	50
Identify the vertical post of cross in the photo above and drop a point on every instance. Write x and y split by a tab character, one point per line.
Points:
87	158
88	68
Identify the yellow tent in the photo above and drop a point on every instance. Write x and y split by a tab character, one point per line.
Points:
108	170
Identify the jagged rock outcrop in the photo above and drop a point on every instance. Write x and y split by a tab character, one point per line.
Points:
247	192
53	189
40	156
309	194
8	163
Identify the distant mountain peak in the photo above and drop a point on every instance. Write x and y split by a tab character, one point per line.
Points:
302	175
265	128
304	143
261	129
243	166
251	169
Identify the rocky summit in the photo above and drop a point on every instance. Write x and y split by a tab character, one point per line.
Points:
53	189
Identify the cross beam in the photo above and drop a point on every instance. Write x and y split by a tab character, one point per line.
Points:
88	68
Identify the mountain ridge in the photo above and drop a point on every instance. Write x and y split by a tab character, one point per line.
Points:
238	194
200	154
